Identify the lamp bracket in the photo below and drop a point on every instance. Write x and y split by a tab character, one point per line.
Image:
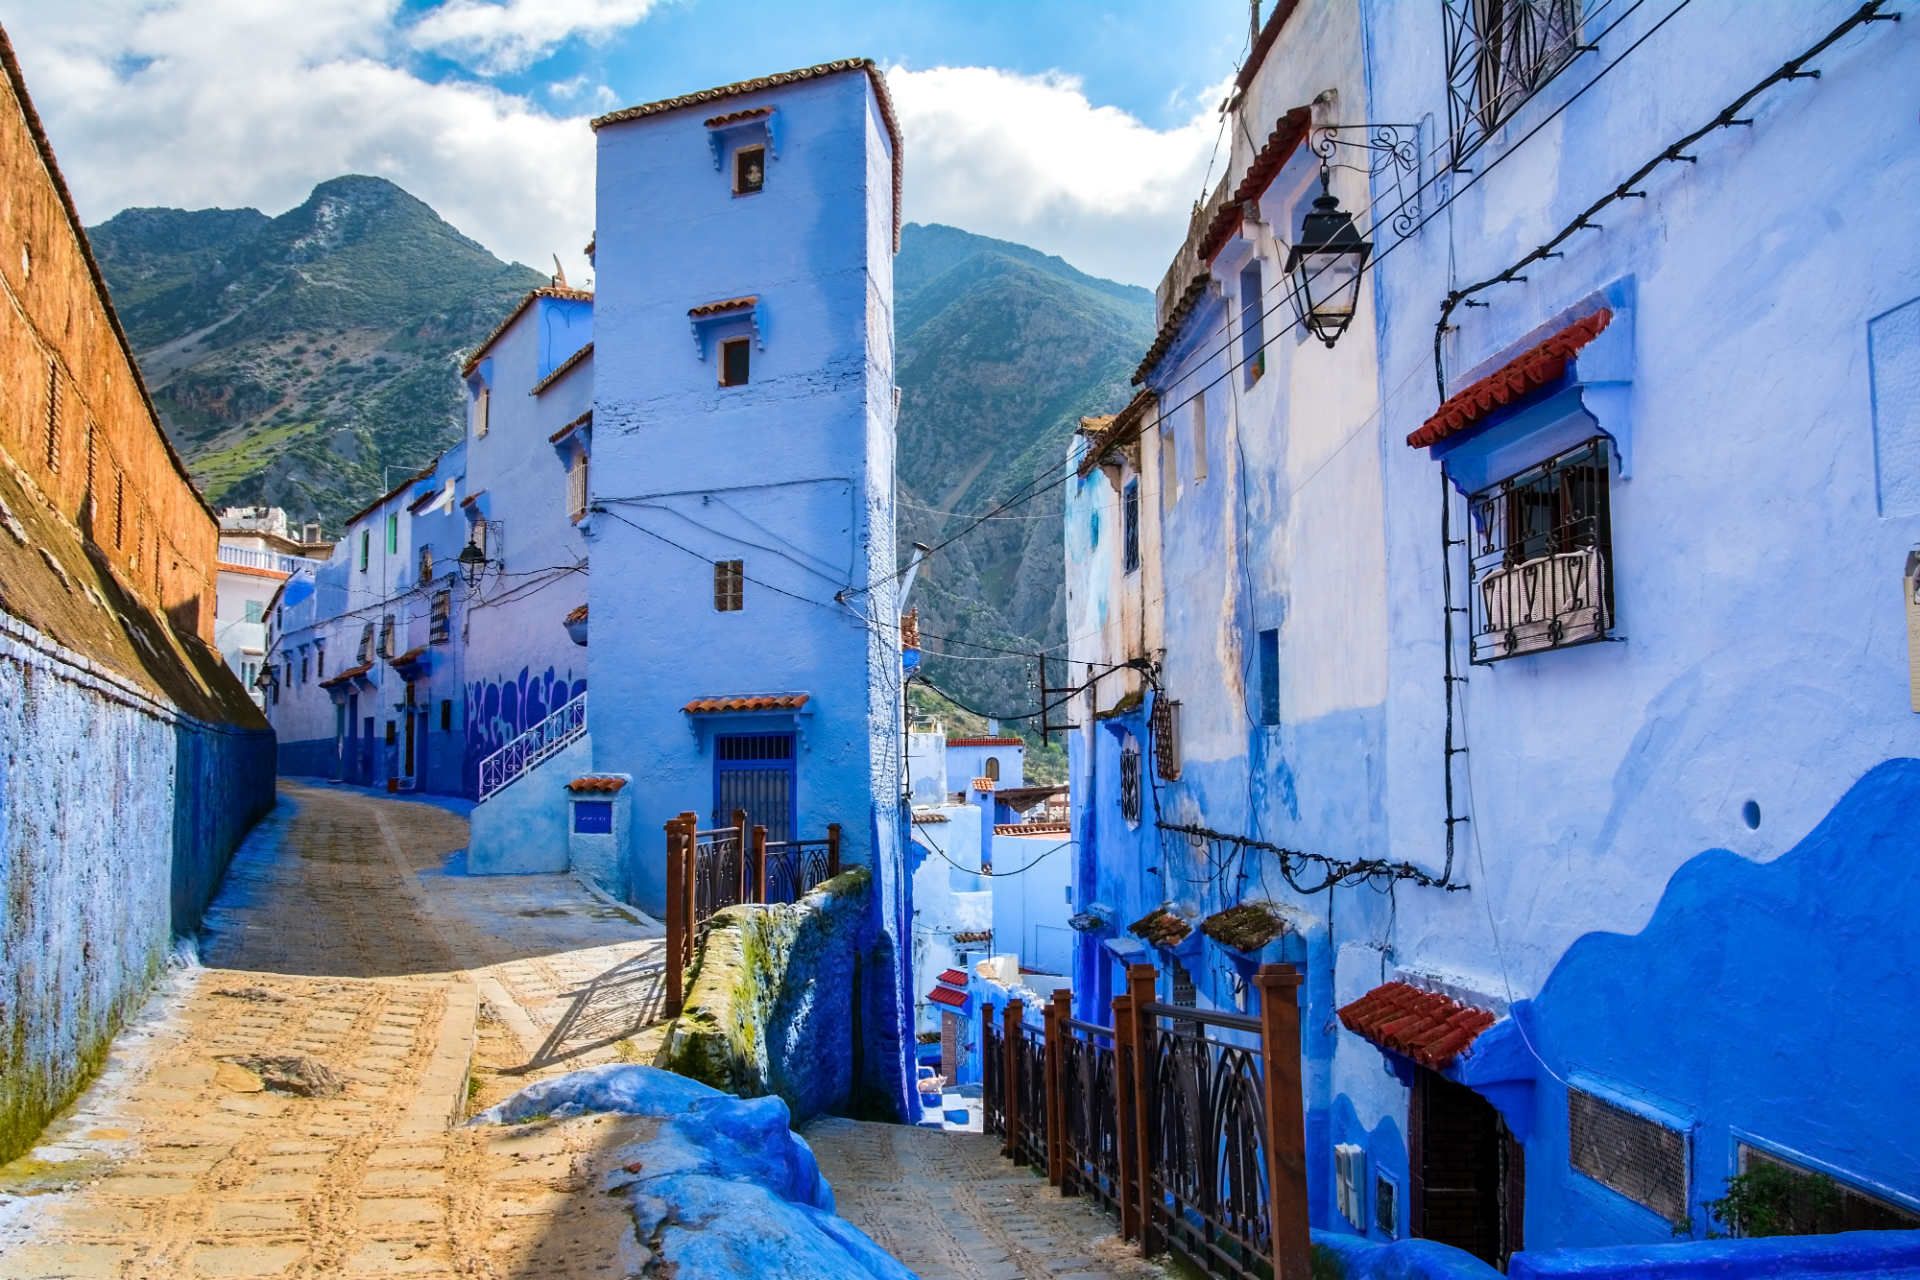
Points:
1389	154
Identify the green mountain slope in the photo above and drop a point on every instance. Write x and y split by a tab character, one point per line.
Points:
300	360
1002	349
306	360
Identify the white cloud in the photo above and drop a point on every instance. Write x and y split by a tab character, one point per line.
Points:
1029	158
511	35
252	102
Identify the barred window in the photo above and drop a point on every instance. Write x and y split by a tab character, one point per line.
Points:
1641	1159
426	562
1541	556
320	658
1130	526
366	643
1130	781
1499	54
729	585
1166	737
440	618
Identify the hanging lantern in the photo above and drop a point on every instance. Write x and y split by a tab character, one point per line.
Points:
473	563
1326	263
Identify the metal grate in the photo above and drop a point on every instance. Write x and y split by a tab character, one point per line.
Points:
1166	737
1499	54
1542	556
729	586
1130	782
1644	1161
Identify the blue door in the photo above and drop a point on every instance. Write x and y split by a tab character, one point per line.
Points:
754	771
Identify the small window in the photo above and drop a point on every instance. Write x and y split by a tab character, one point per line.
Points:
1778	1198
749	170
426	562
1169	468
1166	736
320	658
304	663
392	736
393	534
735	358
366	548
53	416
577	488
1270	675
446	715
366	642
1541	556
1130	782
729	586
386	636
1643	1160
254	611
993	768
1130	526
1199	437
440	618
1253	325
480	413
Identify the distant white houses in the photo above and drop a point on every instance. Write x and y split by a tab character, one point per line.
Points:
259	550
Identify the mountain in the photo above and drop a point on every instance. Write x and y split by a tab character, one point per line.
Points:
1001	350
305	360
299	360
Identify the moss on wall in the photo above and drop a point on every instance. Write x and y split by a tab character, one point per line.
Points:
772	1005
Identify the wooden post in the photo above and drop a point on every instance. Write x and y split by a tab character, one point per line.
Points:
1010	1074
1140	980
1123	1087
1286	1136
689	823
1058	1011
676	917
833	850
759	864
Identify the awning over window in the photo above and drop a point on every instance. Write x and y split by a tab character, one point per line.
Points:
1430	1028
948	996
736	702
1536	367
351	673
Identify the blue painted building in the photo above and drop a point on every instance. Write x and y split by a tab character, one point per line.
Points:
1561	716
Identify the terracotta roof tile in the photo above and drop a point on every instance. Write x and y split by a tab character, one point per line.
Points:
473	497
1030	828
1533	368
596	782
986	742
1247	926
1161	927
947	996
1430	1028
923	817
351	673
974	935
579	422
1124	428
725	305
953	977
1269	32
577	614
544	291
411	655
775	81
982	784
735	117
746	702
562	369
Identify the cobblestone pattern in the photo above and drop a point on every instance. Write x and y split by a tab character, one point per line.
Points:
339	940
950	1208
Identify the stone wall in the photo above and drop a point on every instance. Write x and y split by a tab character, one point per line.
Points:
771	1009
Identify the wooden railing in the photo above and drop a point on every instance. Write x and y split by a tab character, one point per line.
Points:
721	867
1185	1121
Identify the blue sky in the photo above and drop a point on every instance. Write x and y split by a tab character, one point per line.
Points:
1083	129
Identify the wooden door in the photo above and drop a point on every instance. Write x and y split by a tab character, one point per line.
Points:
1468	1173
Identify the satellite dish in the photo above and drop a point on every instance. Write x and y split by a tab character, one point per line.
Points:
559	272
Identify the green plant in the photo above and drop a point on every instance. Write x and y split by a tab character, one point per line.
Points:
1772	1200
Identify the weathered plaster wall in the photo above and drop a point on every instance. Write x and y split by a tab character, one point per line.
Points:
772	1006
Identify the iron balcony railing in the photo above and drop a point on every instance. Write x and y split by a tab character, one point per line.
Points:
513	762
1499	54
1541	556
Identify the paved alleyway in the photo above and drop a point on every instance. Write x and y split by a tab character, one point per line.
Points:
285	1111
950	1208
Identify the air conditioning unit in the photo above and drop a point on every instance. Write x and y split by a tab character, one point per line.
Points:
1350	1183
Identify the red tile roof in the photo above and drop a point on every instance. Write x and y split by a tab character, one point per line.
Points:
562	369
947	996
922	817
986	742
1170	327
1122	429
761	84
1533	368
473	497
953	977
351	673
723	306
746	702
577	423
596	782
1289	131
1161	927
1268	34
578	614
735	117
411	655
1430	1028
982	784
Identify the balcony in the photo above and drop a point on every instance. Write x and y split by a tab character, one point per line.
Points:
250	558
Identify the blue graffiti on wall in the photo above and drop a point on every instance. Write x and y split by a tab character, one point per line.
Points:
498	711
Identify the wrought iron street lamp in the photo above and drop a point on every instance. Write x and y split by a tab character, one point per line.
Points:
473	563
1326	263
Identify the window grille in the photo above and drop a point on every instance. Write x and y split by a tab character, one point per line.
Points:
1386	1213
1541	556
304	667
1253	325
729	586
1184	994
1130	782
53	416
440	618
1130	526
386	636
1269	648
1644	1161
393	535
480	414
1499	54
1166	737
1813	1203
320	658
577	487
366	643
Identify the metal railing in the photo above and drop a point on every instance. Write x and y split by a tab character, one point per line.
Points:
253	558
1187	1122
515	760
710	870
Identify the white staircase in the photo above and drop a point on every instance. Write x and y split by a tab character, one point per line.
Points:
515	760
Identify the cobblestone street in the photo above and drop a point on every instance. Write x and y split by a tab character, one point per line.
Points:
287	1110
949	1207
